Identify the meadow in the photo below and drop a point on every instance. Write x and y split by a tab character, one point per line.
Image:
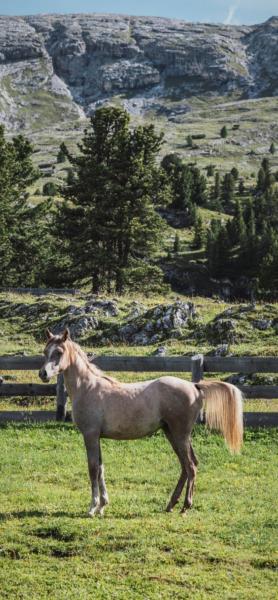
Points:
49	548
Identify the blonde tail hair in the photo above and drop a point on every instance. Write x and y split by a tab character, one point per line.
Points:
223	405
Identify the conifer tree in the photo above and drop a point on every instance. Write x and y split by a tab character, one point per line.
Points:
199	233
228	191
24	245
235	173
176	247
224	132
108	220
241	187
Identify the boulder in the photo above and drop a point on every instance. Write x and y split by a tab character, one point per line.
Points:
222	331
78	326
108	307
160	351
262	324
222	350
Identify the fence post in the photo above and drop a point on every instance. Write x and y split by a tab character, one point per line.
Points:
61	399
197	367
197	370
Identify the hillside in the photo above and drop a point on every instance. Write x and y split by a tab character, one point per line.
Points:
56	69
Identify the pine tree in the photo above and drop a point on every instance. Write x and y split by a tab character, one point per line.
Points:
272	148
189	141
24	243
239	224
235	173
228	191
212	249
241	187
180	178
224	132
210	170
176	247
108	220
199	233
261	180
61	156
199	188
49	189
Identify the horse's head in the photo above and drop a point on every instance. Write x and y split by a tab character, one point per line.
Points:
56	355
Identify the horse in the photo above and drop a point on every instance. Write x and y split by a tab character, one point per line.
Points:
103	407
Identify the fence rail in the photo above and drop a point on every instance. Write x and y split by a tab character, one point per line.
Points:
197	365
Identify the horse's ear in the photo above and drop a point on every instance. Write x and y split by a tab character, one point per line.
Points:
65	334
49	335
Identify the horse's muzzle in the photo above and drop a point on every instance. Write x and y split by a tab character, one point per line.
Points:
43	375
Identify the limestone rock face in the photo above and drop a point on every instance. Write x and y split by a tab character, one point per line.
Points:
76	62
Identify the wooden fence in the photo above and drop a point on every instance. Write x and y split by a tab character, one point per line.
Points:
198	365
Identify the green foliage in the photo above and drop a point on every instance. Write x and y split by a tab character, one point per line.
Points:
24	247
177	245
108	219
199	233
62	154
189	141
224	132
210	170
235	173
241	187
228	191
188	185
49	189
272	148
198	136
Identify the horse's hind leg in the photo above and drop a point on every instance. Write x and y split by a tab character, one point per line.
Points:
191	469
193	456
92	446
102	486
179	450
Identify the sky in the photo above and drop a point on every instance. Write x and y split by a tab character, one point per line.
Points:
232	12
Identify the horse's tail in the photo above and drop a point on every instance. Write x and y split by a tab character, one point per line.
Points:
223	405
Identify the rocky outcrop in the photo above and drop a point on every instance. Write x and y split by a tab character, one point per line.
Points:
80	61
154	325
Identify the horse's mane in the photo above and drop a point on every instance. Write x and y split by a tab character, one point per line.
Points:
93	368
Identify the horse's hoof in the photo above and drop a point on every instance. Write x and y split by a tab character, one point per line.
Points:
93	511
169	509
183	512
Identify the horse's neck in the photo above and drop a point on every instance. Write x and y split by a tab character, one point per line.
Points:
77	375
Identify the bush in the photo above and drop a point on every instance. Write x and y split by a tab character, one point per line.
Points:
198	136
49	189
224	132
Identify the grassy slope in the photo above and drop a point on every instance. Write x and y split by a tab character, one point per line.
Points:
243	148
224	548
19	334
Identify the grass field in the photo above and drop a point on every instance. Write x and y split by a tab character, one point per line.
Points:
49	548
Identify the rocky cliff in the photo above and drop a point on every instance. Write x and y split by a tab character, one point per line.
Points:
55	68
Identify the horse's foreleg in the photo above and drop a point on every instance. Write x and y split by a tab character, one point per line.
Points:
92	446
102	486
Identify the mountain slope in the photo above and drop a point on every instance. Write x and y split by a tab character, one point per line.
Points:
56	69
85	59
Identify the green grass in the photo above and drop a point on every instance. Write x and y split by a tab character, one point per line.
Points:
224	548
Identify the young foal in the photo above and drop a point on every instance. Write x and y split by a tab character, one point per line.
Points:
104	407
